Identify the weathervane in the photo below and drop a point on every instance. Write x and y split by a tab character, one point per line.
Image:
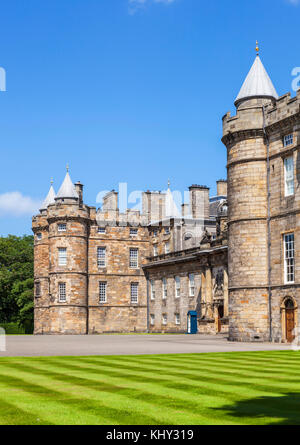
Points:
257	48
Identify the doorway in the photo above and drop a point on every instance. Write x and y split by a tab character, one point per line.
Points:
289	320
220	316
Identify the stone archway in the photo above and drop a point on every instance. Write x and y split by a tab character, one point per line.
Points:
289	319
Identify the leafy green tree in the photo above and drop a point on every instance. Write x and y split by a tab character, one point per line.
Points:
16	280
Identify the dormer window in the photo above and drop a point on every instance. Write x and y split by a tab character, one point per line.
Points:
288	140
62	227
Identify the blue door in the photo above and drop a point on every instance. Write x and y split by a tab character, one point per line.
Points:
192	322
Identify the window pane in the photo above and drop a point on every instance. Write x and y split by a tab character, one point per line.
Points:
62	256
289	258
101	256
134	292
289	175
62	292
133	258
102	292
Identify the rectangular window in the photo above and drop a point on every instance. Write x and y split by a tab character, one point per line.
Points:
167	231
177	319
133	232
62	256
102	292
289	176
167	248
101	230
62	292
155	252
152	286
101	256
37	289
155	232
289	258
133	258
192	285
134	292
164	319
152	319
39	236
177	287
164	288
62	227
288	140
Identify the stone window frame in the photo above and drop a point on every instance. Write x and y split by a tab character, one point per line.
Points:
101	258
102	296
164	319
177	279
288	140
285	265
62	292
133	259
192	286
101	230
164	288
133	231
62	259
62	227
134	292
288	180
177	319
155	250
39	236
167	247
152	290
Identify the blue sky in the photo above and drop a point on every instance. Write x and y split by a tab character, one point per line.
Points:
127	91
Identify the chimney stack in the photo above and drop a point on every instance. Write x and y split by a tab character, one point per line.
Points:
79	190
222	187
199	201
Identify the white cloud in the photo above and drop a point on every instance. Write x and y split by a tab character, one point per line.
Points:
16	204
134	5
294	2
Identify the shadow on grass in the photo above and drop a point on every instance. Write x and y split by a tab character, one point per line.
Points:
281	410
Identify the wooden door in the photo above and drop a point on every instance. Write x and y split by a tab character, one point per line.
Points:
290	324
220	316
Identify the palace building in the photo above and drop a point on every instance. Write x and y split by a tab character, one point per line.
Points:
230	261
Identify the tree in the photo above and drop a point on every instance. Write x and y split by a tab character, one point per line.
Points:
16	280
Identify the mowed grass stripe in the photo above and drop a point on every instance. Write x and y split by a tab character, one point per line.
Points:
164	398
170	416
214	393
170	389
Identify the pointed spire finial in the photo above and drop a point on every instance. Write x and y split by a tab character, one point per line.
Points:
51	181
257	48
67	167
169	183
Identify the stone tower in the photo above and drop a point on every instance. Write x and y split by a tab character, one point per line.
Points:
61	255
244	137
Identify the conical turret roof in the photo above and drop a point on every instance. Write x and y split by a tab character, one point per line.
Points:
171	208
67	189
257	84
49	199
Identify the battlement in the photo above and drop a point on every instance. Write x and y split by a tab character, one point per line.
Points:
284	107
249	115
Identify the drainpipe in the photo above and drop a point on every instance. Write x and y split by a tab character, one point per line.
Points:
268	227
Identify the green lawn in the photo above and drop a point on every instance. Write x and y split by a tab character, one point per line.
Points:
221	388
